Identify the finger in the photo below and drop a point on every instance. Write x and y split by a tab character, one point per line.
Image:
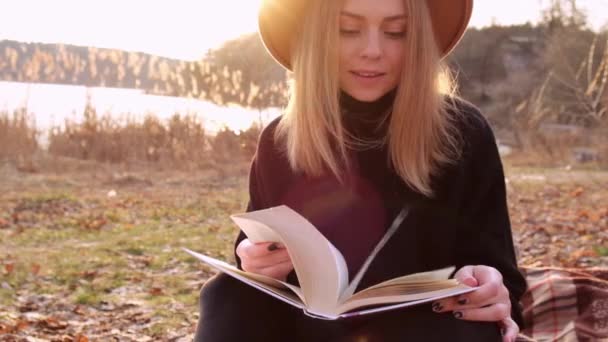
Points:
456	303
242	248
465	302
278	271
444	305
491	290
465	275
251	250
486	274
510	329
273	258
492	313
275	245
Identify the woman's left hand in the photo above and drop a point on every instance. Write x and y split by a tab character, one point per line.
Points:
490	303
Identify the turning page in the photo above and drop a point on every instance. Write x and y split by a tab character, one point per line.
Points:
321	269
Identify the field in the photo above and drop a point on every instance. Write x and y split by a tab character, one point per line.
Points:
94	253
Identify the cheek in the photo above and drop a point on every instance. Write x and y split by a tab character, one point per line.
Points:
346	53
396	57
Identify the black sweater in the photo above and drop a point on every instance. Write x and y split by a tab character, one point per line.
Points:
465	223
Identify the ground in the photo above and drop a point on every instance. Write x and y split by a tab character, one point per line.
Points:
95	254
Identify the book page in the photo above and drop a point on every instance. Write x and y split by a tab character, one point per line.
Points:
402	289
256	232
416	298
321	269
375	309
421	278
269	285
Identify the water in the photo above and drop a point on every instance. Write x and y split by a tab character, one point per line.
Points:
51	104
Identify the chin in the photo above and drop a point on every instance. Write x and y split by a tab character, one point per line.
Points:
366	95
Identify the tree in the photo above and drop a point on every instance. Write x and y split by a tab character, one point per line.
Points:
562	14
247	75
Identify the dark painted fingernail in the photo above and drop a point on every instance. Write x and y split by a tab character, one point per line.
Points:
458	314
273	247
463	301
437	307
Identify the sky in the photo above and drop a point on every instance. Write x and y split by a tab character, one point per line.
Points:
187	29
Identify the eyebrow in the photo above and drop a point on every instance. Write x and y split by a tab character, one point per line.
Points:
357	16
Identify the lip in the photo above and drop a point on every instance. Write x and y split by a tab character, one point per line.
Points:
373	72
368	81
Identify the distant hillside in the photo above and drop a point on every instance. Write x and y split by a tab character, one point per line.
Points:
89	66
97	67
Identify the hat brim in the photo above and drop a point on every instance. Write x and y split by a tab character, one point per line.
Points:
278	19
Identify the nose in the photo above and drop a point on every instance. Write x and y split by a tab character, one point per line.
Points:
372	48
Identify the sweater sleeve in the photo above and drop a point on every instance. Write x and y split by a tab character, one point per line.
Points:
255	201
487	238
258	198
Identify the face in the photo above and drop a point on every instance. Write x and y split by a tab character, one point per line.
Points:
372	34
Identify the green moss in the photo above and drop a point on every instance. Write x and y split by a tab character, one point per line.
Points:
87	297
601	250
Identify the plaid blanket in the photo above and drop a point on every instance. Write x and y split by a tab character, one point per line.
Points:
565	305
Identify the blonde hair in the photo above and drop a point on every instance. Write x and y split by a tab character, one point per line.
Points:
421	135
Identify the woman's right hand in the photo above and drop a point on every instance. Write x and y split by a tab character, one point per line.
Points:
267	258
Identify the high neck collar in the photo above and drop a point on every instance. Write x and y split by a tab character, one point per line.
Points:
351	105
367	120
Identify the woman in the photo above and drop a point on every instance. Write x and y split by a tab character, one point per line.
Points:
367	131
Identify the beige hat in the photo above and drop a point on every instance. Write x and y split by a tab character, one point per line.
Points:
278	20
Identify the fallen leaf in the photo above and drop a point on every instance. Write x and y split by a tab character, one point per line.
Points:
29	307
106	306
583	214
577	192
156	291
80	338
3	223
5	329
97	224
595	217
79	310
35	269
583	252
21	325
9	268
54	323
89	275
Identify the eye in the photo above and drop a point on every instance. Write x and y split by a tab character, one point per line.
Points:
349	32
399	34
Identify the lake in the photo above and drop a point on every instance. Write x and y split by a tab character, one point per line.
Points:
51	104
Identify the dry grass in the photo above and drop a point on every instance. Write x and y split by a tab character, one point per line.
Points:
574	95
18	136
585	150
127	142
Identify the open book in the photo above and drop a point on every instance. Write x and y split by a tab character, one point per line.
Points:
324	290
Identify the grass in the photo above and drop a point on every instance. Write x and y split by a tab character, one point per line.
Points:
120	256
135	255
